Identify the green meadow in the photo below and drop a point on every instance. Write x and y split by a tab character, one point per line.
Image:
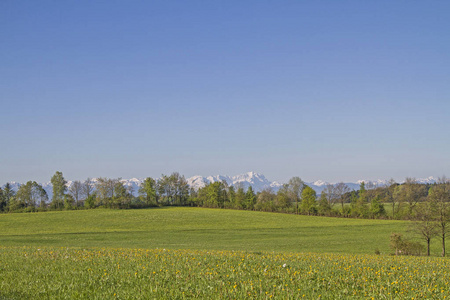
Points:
179	253
199	229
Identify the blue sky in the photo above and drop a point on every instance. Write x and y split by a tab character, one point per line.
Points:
332	90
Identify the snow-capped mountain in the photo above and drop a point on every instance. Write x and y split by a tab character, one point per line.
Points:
429	180
384	182
258	182
14	185
132	184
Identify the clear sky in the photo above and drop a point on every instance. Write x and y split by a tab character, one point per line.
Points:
331	90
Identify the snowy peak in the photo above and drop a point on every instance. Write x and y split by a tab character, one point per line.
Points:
383	182
320	183
429	180
197	182
219	178
258	181
132	184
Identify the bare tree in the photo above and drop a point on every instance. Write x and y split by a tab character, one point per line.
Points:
439	198
30	195
181	187
412	193
88	188
425	226
330	194
370	185
106	190
296	186
389	195
75	190
340	190
173	189
165	189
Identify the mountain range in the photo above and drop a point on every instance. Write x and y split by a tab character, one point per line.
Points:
258	182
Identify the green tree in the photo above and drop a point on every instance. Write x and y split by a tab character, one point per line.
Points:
398	200
202	197
173	189
239	202
193	197
8	194
147	191
266	200
309	201
69	201
122	195
360	209
216	194
166	189
29	196
181	188
324	207
231	196
283	201
250	199
105	191
377	208
3	203
90	201
59	190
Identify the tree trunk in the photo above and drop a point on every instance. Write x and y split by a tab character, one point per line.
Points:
443	244
428	247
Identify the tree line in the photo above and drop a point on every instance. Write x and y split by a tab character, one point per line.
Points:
102	192
427	205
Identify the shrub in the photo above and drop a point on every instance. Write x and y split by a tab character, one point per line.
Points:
405	246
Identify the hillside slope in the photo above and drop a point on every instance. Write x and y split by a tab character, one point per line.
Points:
197	228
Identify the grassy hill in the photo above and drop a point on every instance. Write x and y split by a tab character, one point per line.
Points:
198	228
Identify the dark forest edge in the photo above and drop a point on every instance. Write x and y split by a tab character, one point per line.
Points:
427	205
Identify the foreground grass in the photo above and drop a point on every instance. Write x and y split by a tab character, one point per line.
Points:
198	228
65	273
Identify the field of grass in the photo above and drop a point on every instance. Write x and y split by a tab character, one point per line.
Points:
181	253
61	273
197	228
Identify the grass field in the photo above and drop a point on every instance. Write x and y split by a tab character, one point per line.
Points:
197	228
61	273
177	253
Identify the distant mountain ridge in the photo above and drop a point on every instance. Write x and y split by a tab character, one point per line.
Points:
258	182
